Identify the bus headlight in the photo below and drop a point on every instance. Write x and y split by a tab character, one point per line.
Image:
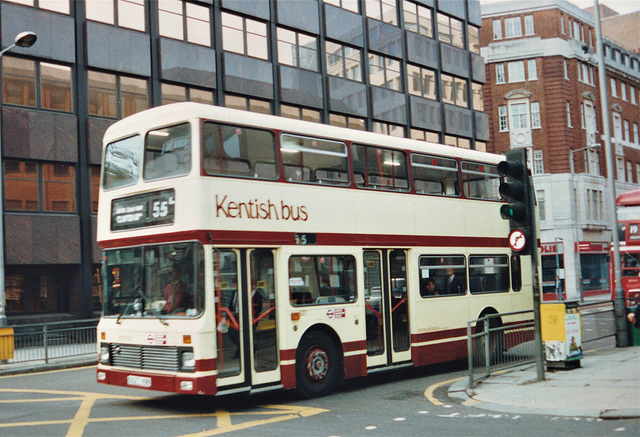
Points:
104	354
187	361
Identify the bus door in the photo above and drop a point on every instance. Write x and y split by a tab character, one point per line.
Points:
386	307
245	317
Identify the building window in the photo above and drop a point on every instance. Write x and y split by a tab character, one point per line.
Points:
516	71
347	121
31	186
535	116
349	5
497	29
175	16
421	81
566	70
512	27
636	140
450	31
638	172
614	88
248	104
418	19
35	290
542	213
502	118
562	24
130	13
297	49
629	171
425	135
632	92
532	69
519	116
620	169
178	93
61	6
474	39
623	91
244	36
344	61
454	91
95	188
528	25
538	163
390	129
477	96
299	113
500	77
627	136
115	96
569	124
36	84
382	10
384	72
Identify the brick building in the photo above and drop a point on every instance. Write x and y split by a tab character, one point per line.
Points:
402	67
542	94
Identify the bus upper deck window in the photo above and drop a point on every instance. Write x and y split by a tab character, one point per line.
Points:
167	152
122	162
238	151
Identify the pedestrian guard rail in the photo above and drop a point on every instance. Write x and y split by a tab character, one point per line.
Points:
47	341
497	342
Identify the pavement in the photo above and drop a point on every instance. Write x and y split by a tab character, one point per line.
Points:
605	386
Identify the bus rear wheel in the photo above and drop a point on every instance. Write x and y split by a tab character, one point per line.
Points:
317	365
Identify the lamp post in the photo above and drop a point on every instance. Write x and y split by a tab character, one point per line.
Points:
574	207
24	40
622	337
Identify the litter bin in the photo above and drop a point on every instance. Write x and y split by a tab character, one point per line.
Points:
634	333
561	334
6	343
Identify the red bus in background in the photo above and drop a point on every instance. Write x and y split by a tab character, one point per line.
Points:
628	207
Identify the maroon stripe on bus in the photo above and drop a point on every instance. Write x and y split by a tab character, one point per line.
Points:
263	238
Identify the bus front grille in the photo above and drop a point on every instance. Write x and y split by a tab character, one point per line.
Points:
145	357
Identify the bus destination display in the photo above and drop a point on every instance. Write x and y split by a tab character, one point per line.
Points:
143	210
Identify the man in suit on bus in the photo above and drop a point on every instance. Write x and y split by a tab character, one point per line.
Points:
453	284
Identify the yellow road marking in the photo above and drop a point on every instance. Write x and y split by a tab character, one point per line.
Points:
82	417
428	393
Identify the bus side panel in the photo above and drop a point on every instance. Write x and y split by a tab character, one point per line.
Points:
355	359
288	368
452	346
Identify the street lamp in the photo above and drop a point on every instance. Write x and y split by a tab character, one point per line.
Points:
576	254
24	40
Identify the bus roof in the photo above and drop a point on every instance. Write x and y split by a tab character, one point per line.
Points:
174	112
629	198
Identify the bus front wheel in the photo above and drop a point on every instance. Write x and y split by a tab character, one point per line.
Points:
317	365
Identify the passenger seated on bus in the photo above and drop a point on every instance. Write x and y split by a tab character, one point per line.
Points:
428	287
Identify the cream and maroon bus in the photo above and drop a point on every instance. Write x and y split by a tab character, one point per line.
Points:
249	252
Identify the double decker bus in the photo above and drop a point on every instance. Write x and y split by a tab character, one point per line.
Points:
249	252
628	209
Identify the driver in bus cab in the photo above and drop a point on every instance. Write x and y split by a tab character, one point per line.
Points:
175	293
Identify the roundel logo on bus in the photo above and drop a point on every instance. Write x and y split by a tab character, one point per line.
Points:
260	210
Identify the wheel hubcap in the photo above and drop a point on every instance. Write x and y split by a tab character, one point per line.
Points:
317	364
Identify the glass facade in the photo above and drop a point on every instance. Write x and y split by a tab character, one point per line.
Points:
361	73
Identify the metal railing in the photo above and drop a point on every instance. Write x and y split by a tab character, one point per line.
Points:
496	345
47	341
598	320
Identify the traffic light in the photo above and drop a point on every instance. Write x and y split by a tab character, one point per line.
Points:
515	187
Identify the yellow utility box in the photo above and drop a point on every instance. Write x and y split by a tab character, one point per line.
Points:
6	343
561	334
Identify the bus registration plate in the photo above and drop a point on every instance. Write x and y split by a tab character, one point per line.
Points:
139	381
